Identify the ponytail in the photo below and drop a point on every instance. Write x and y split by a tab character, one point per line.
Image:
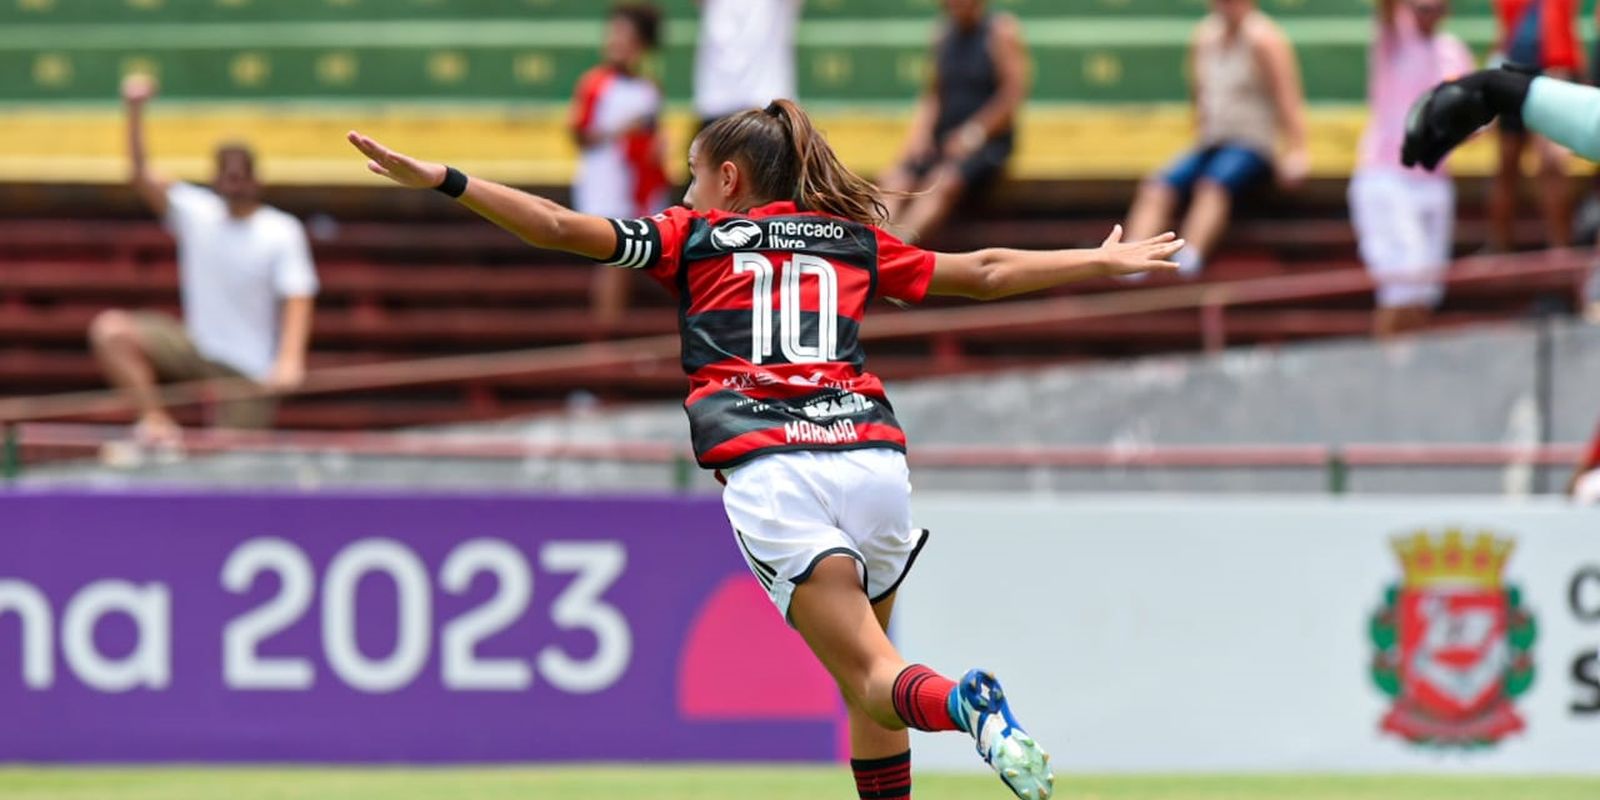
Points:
786	157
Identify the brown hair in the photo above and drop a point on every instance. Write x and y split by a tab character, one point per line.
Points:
645	19
786	158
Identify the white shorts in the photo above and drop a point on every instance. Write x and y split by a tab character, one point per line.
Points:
1404	222
791	510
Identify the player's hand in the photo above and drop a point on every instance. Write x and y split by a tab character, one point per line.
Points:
137	88
1454	110
1132	258
397	167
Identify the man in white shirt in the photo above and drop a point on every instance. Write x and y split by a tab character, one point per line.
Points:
247	284
744	57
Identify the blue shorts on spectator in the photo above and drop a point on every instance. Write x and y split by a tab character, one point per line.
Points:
1233	167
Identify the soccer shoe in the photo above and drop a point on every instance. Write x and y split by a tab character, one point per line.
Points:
980	707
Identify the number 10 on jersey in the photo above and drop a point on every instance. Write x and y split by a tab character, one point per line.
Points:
790	317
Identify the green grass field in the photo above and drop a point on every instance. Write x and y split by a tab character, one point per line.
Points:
718	783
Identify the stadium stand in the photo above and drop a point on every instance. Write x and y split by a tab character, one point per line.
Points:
440	283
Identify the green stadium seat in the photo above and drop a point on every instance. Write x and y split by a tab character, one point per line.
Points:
532	51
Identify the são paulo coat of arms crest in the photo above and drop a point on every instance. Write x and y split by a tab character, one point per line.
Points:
1453	642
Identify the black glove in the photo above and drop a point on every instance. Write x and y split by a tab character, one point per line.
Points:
1454	110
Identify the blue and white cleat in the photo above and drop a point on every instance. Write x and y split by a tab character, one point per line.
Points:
980	706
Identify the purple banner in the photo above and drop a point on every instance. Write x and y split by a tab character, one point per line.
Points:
285	627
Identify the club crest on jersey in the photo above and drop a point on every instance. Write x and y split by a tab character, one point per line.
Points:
1453	643
737	234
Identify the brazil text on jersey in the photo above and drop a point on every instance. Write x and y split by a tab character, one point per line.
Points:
770	305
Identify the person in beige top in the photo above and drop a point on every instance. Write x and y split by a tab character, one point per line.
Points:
1250	118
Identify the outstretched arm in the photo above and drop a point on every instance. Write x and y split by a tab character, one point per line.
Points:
151	187
1001	272
535	220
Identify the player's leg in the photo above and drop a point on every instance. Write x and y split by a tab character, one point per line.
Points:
868	738
880	757
1555	192
875	514
872	489
118	340
1511	139
832	614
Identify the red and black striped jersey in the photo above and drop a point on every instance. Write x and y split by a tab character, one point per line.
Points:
770	305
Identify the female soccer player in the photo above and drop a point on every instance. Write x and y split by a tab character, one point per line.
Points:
774	256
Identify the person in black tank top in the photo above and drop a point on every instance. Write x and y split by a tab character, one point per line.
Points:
962	133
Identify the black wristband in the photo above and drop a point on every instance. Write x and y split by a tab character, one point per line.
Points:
454	184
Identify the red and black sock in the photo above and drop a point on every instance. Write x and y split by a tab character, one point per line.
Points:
922	699
886	778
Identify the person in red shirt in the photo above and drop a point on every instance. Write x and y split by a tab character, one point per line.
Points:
1540	35
615	123
774	256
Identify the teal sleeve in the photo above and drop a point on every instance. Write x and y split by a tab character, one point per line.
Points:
1566	113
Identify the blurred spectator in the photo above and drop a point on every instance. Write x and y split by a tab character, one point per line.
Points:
1584	489
1539	34
247	285
963	130
615	120
1591	295
1405	218
1589	212
1249	104
744	57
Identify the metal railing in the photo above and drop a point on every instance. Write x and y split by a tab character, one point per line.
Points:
1210	301
1336	461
